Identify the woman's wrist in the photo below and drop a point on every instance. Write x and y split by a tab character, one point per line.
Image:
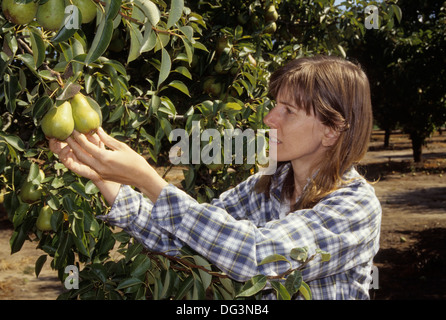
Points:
108	189
150	183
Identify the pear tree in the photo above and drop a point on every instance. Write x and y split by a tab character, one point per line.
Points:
141	69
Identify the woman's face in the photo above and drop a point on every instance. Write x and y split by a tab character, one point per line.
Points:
297	137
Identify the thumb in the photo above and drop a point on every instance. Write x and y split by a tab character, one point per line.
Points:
108	140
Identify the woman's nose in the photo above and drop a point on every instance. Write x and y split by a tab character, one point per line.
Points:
271	119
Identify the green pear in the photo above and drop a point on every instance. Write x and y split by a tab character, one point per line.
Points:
207	84
222	44
30	192
271	14
216	89
58	122
19	12
87	8
86	119
270	28
51	14
43	222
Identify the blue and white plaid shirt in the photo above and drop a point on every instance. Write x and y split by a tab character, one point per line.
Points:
240	228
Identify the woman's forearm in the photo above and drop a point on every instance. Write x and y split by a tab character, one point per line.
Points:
149	182
108	189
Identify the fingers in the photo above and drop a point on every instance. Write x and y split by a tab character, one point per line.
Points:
109	141
56	145
84	150
87	143
94	138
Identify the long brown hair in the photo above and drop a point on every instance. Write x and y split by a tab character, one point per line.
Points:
337	91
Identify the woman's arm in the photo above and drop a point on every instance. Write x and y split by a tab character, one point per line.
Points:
108	163
346	225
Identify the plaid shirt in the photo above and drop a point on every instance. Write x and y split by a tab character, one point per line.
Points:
240	228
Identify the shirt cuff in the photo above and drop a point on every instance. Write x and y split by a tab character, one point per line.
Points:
126	207
169	208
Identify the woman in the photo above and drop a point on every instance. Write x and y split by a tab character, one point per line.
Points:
316	198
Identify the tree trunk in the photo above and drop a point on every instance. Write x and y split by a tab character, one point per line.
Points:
417	147
387	137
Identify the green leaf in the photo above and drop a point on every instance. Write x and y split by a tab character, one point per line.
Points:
293	282
90	188
18	238
136	42
140	265
175	13
169	281
184	71
177	84
69	91
112	8
231	107
282	293
188	31
306	291
149	40
99	272
252	286
273	258
129	282
13	141
132	251
101	41
41	106
37	45
189	49
20	214
12	87
397	12
39	264
116	114
184	287
299	254
165	67
206	278
136	37
150	10
70	26
325	256
62	250
198	291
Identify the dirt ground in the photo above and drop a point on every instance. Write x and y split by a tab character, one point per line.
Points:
411	262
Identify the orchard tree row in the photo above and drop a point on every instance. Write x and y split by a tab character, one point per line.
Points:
140	69
407	67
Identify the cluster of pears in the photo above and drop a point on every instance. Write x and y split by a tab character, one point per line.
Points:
31	192
271	17
50	14
76	113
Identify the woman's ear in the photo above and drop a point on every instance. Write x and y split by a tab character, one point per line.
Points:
330	137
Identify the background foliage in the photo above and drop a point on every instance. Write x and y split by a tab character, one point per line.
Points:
153	66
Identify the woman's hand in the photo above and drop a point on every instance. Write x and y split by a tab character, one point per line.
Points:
108	189
70	160
88	156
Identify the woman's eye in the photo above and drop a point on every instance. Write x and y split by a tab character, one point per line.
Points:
289	110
